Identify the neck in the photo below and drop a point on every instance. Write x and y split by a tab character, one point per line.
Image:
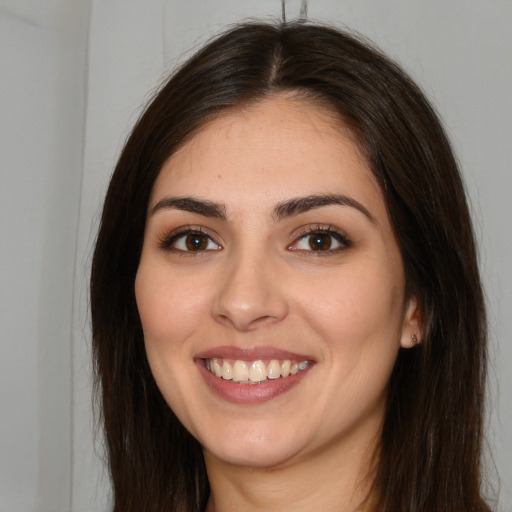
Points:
329	481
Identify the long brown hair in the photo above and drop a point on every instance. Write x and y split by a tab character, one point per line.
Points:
430	451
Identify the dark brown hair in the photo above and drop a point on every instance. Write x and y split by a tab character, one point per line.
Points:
430	451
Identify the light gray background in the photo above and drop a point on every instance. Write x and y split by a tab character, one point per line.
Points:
74	75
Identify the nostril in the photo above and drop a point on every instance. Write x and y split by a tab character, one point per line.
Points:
250	294
244	322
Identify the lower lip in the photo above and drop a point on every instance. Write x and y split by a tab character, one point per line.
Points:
250	393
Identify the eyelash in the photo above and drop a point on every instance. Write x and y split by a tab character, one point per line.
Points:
167	241
340	238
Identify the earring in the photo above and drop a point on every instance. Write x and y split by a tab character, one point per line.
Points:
414	339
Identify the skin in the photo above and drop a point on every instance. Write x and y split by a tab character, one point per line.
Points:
260	283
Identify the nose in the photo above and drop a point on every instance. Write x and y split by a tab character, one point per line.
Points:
250	293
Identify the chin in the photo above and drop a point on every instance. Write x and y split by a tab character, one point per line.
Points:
253	447
252	455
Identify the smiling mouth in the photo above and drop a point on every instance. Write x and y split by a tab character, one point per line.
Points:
254	372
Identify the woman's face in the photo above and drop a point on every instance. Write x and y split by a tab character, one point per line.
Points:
271	287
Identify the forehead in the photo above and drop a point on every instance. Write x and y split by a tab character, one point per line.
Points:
278	147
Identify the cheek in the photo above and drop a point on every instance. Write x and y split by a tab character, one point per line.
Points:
169	309
169	315
357	309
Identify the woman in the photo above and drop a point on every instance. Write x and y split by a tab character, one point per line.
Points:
286	302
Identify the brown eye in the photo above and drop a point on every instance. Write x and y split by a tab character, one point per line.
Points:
196	242
191	241
320	241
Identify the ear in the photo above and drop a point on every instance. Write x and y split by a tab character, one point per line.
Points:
412	327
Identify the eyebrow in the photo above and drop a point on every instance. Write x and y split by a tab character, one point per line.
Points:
283	210
304	204
189	204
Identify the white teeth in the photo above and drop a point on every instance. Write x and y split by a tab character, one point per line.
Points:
274	369
227	371
285	368
216	368
257	371
240	371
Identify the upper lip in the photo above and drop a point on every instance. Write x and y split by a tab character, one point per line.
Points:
251	353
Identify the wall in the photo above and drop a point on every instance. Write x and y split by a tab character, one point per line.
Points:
42	91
